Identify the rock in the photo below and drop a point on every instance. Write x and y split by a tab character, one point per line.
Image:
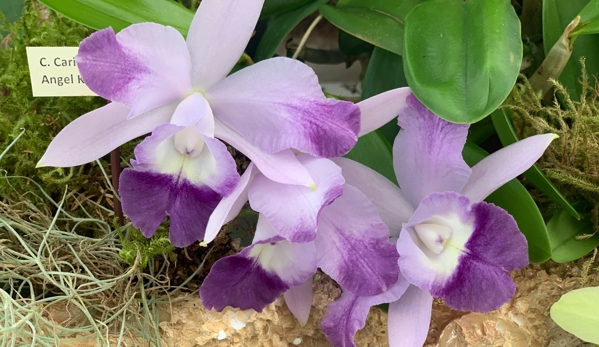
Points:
193	326
478	330
524	321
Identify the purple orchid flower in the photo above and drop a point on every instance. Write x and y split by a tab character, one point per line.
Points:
179	89
451	244
333	227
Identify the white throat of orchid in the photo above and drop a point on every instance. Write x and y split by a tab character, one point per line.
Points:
443	237
433	236
189	141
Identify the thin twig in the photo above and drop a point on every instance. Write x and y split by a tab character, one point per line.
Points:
305	37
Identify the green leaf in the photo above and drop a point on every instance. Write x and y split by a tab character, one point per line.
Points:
119	14
515	199
374	151
462	58
590	12
563	230
576	312
385	72
557	14
12	9
480	131
589	19
379	22
507	135
586	29
274	7
353	46
279	26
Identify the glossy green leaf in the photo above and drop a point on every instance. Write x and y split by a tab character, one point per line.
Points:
374	151
563	230
379	22
590	12
280	25
385	72
515	199
274	7
589	19
587	28
353	46
119	14
577	313
462	58
507	135
557	14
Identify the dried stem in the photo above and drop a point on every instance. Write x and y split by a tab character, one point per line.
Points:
305	37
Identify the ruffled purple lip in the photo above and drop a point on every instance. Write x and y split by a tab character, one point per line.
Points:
148	198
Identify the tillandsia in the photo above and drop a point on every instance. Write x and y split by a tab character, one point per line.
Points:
333	227
179	90
451	244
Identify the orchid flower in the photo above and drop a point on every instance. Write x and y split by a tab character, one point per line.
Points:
451	244
333	227
179	90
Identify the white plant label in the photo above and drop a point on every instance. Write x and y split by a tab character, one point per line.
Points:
54	72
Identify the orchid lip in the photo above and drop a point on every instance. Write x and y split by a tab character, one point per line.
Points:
189	141
263	253
433	236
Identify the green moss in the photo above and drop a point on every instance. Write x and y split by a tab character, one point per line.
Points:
43	118
572	160
135	242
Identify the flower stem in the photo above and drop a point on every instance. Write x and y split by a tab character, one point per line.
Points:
115	168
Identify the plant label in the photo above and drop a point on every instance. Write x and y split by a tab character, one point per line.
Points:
54	72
